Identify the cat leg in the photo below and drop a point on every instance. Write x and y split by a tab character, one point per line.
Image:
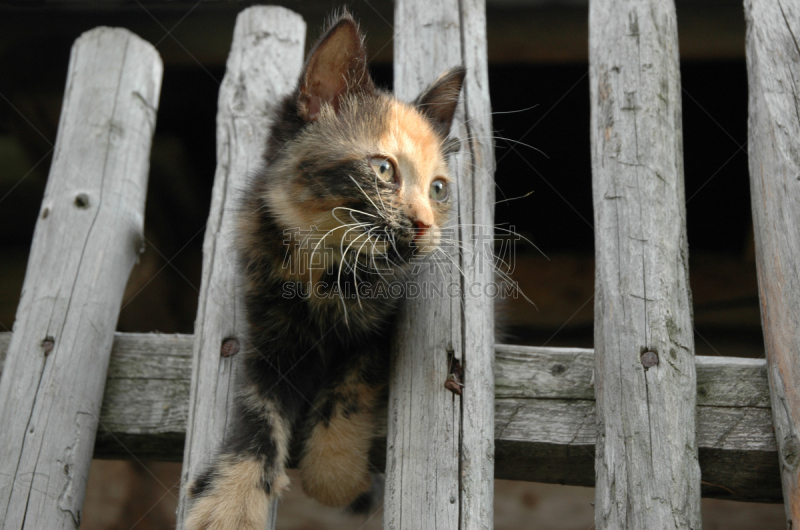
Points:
334	466
236	491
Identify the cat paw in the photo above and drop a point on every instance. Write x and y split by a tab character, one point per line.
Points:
219	512
334	487
235	497
334	468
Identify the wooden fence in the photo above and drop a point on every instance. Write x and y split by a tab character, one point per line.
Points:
660	426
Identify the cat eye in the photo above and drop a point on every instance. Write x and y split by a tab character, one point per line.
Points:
384	168
439	191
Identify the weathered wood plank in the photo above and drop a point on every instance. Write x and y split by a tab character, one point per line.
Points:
647	469
545	421
263	65
146	404
434	438
87	239
476	190
773	66
544	430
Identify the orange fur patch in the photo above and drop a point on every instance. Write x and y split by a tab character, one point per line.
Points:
416	149
237	501
335	465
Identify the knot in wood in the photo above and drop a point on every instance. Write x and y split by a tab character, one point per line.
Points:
558	369
649	359
230	347
47	345
82	201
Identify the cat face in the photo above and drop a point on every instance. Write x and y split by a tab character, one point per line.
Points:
365	173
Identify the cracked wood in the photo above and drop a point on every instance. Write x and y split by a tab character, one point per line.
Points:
440	447
647	458
263	65
773	70
87	240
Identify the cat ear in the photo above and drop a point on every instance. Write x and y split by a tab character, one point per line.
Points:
336	66
438	102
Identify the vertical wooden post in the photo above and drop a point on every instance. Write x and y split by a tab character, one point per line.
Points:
263	65
440	447
87	240
773	67
647	470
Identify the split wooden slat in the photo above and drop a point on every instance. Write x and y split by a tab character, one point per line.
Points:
647	458
440	447
544	414
87	240
773	68
263	65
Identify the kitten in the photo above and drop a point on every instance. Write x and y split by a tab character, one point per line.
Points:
354	185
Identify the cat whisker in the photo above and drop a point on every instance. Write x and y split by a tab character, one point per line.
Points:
374	262
390	245
358	252
313	231
452	260
461	246
342	250
514	198
501	229
351	212
371	254
379	194
503	112
504	275
339	275
514	111
483	172
440	267
391	236
367	196
510	140
316	247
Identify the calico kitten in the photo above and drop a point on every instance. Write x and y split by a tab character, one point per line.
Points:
354	185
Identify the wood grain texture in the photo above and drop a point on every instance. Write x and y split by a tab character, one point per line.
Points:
773	67
440	447
87	239
263	65
647	469
544	410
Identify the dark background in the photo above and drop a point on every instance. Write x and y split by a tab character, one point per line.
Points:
538	58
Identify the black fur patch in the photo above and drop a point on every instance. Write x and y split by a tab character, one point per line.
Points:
371	500
201	483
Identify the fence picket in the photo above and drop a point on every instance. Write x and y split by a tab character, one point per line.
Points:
87	240
440	448
773	70
263	65
647	461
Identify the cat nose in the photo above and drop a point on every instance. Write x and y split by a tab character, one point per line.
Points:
420	227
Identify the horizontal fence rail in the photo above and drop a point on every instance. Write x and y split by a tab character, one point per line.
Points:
544	407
